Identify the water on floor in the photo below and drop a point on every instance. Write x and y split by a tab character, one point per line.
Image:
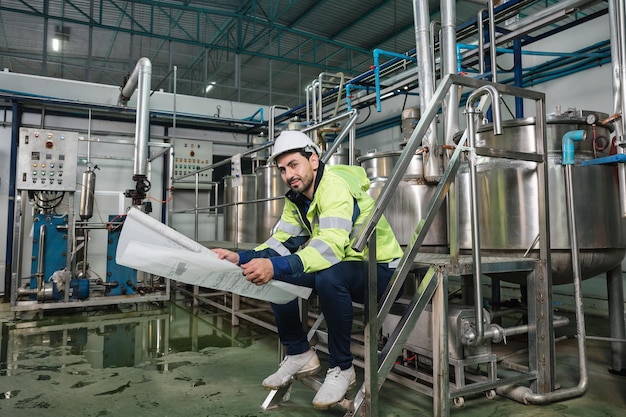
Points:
165	361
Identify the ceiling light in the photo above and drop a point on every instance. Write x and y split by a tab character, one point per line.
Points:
210	86
56	44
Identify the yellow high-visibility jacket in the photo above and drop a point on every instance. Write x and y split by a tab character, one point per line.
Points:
314	235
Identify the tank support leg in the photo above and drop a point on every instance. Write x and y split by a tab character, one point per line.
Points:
615	288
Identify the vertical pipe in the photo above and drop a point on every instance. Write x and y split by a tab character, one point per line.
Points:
421	12
352	144
41	262
371	332
308	99
470	111
441	360
140	78
615	287
448	54
492	42
519	76
616	27
8	259
481	42
142	128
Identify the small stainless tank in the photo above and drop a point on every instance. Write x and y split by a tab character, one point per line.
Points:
410	118
268	184
240	220
408	204
507	195
342	157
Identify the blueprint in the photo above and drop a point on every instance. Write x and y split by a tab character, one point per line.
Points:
148	245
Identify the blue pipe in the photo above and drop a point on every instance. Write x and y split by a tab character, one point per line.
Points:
251	118
617	158
568	145
377	54
349	88
464	46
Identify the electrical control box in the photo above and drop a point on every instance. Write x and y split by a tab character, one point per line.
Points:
47	160
189	156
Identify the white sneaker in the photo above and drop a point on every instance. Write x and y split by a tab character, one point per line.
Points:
307	363
335	386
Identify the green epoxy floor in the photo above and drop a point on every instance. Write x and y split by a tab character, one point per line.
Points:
139	361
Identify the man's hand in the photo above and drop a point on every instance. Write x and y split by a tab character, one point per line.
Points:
227	254
258	271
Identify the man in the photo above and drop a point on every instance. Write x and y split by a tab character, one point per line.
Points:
312	247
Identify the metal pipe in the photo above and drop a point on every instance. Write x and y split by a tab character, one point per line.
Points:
448	55
541	19
40	261
271	126
615	290
501	333
481	42
477	337
140	78
421	13
525	394
492	42
347	129
433	42
617	32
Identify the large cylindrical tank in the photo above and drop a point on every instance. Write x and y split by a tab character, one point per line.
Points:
240	220
268	184
408	204
508	199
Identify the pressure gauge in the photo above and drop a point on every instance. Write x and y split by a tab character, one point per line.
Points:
592	119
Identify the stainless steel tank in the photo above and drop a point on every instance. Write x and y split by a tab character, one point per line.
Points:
268	184
342	156
408	204
410	118
507	196
240	220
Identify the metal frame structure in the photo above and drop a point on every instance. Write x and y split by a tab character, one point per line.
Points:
296	40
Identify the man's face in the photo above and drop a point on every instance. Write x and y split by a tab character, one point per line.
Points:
298	172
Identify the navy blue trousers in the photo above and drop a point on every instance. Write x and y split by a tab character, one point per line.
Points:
337	287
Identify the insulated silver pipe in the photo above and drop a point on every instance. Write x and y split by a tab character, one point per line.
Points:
448	56
425	70
617	31
140	79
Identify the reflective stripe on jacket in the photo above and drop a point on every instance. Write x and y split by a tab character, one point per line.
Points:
339	207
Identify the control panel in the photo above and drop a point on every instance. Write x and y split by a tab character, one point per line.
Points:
47	160
191	155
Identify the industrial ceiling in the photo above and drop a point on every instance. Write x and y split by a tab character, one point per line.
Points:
258	51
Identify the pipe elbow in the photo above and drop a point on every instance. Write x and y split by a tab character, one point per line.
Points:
144	62
567	145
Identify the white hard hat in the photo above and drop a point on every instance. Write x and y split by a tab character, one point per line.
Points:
292	140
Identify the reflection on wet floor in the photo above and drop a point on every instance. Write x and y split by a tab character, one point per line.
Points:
167	361
88	363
